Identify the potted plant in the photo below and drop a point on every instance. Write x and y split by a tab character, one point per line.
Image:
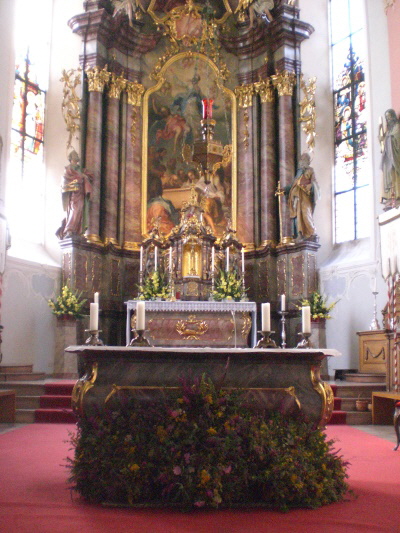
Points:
228	286
68	304
319	308
155	287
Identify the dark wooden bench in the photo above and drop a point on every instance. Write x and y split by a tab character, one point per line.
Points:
7	406
383	407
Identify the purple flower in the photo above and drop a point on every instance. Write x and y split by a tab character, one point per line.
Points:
177	470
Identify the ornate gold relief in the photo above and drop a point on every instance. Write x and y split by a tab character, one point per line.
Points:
70	103
246	132
117	85
326	393
381	354
192	328
135	92
244	95
265	89
284	82
82	386
307	111
246	325
97	78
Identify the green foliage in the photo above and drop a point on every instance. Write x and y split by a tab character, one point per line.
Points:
155	287
228	285
203	447
68	303
318	306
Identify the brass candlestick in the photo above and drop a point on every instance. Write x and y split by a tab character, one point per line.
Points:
283	327
139	339
374	324
304	343
266	341
94	340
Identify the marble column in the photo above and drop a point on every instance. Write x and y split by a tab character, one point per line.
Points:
268	171
97	79
111	182
284	82
133	178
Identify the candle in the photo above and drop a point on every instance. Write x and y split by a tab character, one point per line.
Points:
141	259
374	289
283	302
210	108
94	317
306	319
155	258
205	108
227	259
243	260
140	316
212	259
96	298
170	258
265	317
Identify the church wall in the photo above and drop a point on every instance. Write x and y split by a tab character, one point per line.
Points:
347	270
393	16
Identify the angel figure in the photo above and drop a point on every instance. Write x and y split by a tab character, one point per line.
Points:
257	8
129	7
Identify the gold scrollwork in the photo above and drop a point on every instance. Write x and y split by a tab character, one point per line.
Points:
246	132
244	95
82	386
265	89
246	325
284	82
326	393
307	111
135	92
116	86
192	328
70	103
97	78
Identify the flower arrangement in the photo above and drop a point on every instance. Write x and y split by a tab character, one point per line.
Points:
69	303
228	285
155	287
202	446
319	308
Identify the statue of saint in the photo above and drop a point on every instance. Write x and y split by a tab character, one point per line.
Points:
303	194
390	163
76	189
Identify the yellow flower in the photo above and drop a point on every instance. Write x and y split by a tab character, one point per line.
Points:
204	477
134	468
212	431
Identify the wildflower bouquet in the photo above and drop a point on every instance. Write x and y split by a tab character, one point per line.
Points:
318	306
155	287
228	284
202	446
69	303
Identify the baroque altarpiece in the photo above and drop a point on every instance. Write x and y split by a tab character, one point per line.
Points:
179	97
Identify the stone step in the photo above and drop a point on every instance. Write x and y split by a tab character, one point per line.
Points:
365	378
27	402
21	376
16	369
359	418
358	390
349	404
24	388
25	416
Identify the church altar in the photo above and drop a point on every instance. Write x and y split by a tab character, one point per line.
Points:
287	380
197	323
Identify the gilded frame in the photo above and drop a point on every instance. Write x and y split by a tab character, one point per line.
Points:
224	94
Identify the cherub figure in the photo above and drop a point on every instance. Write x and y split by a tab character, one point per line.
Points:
257	8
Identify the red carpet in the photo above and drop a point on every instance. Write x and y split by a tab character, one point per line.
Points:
34	497
55	405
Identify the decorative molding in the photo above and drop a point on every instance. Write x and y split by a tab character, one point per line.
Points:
97	78
284	82
308	113
117	85
265	89
135	92
244	95
70	103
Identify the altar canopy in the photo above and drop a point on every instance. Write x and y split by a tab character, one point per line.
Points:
178	99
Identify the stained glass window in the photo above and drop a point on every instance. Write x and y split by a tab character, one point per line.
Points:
351	175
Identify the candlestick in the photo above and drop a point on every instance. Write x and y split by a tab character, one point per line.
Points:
374	324
266	341
141	259
94	340
306	319
96	298
94	317
283	302
155	257
266	317
283	327
227	259
140	316
243	260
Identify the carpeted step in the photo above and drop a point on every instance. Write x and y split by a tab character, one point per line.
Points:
338	417
64	388
55	416
55	401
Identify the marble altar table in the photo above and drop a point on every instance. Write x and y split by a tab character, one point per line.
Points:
275	378
197	323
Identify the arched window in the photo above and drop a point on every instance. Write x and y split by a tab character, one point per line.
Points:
351	170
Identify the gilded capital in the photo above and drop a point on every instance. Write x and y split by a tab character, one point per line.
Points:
97	78
265	89
244	95
117	85
135	92
284	82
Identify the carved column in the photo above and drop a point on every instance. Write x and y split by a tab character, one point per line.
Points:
245	189
284	82
132	198
111	190
97	79
268	171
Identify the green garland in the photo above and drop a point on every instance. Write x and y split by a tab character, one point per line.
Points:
203	447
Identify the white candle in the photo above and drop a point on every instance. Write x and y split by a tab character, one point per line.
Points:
140	316
283	302
155	258
94	317
227	259
170	258
141	259
265	317
243	260
96	298
374	289
306	319
212	259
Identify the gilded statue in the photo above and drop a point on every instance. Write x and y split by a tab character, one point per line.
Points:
390	162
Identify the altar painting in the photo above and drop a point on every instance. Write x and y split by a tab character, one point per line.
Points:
175	154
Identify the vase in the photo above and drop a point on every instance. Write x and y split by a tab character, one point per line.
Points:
65	363
318	340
